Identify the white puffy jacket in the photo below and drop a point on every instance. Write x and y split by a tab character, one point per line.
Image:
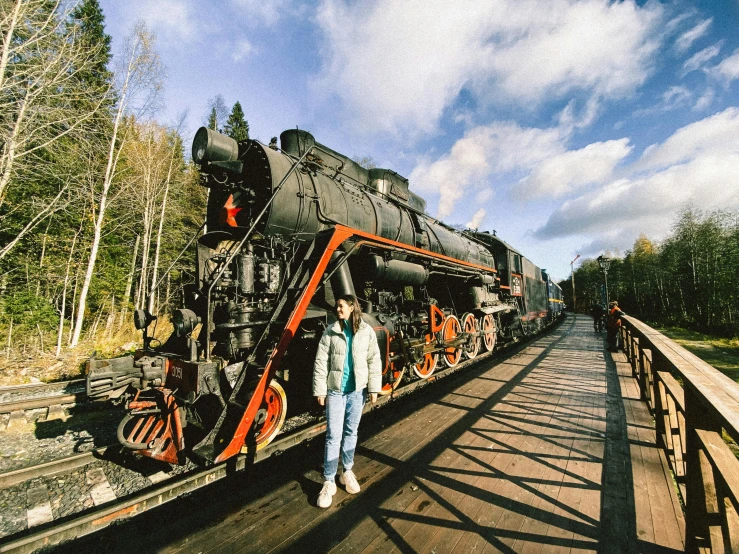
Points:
329	366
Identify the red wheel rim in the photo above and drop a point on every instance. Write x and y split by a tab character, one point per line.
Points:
471	325
451	329
426	367
488	327
271	414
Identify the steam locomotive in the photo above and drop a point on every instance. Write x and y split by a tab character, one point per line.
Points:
290	229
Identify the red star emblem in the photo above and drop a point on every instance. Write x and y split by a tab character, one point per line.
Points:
230	211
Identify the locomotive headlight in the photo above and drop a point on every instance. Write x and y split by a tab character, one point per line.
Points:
184	321
212	146
142	319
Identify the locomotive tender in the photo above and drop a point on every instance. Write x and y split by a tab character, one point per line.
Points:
288	231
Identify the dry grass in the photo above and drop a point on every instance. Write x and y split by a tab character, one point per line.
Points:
31	365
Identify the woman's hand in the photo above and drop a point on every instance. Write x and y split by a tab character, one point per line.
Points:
321	400
373	397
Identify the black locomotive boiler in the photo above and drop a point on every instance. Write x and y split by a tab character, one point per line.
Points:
288	231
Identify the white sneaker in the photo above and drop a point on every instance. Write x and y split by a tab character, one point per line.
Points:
349	480
325	497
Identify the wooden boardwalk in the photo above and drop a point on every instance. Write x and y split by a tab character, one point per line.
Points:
548	451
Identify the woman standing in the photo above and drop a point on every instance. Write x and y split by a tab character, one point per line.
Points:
348	364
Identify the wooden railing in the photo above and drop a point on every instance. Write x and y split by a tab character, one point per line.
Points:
690	420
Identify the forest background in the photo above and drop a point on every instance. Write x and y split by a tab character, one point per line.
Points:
98	200
690	279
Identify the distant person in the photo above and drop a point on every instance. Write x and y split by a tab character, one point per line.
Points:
597	311
614	326
348	363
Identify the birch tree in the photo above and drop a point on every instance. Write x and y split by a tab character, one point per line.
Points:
41	94
138	84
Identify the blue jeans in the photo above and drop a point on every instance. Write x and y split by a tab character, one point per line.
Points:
343	412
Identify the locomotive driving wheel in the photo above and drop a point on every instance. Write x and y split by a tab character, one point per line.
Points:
449	332
489	332
427	365
271	414
471	325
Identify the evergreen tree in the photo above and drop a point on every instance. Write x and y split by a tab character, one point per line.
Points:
89	19
236	126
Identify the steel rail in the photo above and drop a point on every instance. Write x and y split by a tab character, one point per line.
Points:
43	402
30	387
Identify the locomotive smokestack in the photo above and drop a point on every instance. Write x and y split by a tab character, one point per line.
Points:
212	146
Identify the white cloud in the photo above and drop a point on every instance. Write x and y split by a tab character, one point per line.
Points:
648	204
705	100
568	119
698	164
674	97
264	12
699	59
602	47
686	40
173	21
728	69
476	220
484	150
560	175
484	195
713	135
398	65
242	49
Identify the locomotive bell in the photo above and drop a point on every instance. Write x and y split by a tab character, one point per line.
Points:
212	146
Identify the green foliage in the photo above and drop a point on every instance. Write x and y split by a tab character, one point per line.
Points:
89	19
28	310
691	279
236	126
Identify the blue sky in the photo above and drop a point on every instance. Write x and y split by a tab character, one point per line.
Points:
569	127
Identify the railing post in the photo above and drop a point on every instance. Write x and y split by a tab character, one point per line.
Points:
696	514
646	362
658	412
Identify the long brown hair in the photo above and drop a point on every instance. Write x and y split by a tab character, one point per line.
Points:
356	317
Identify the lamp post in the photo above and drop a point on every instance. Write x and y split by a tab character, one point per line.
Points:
572	273
604	264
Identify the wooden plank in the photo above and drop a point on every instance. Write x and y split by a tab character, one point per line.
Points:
400	525
732	525
506	495
578	499
723	459
634	421
674	388
489	519
502	437
662	498
456	509
544	497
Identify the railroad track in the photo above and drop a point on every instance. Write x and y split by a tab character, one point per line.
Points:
41	395
109	508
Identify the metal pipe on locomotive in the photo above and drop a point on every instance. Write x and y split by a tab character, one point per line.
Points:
288	231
